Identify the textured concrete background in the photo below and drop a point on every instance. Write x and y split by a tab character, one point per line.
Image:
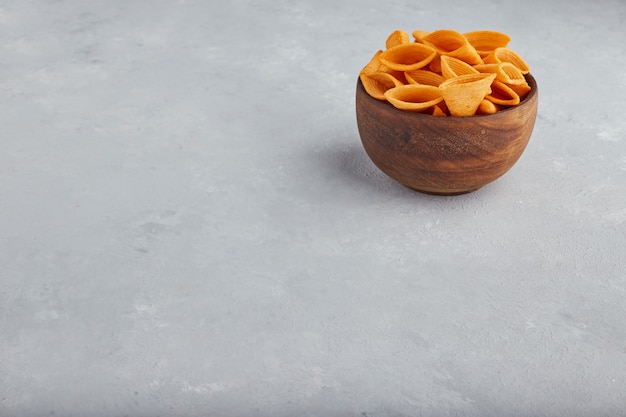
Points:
189	225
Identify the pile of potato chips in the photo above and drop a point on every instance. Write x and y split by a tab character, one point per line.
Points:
446	73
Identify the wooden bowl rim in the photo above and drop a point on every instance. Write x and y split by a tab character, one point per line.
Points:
529	78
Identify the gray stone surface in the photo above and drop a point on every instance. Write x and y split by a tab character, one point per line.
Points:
189	225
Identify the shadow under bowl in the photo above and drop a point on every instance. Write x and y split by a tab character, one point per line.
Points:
444	155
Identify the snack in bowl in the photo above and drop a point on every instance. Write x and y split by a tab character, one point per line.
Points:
446	113
445	55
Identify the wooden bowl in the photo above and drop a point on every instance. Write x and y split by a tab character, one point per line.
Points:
444	155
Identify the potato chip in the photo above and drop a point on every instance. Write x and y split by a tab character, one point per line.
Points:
463	94
376	66
486	41
487	107
520	89
454	44
505	72
507	55
440	110
399	75
443	107
426	77
435	64
373	64
414	97
452	67
398	37
502	94
376	83
407	57
418	35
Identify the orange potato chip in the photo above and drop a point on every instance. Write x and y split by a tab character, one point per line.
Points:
407	57
453	67
414	97
426	77
443	107
439	110
502	94
507	55
435	64
398	37
485	41
376	66
520	89
399	75
376	83
373	64
454	44
487	107
505	72
418	35
463	94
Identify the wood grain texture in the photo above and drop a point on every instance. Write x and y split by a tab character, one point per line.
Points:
444	155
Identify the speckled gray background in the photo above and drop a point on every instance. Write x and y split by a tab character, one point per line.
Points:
189	225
